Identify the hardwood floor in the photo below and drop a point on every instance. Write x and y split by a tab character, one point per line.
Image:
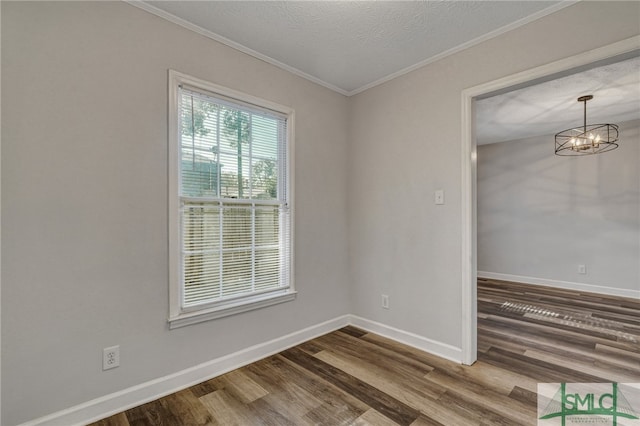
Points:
526	334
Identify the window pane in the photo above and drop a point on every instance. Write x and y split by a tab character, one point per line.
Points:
236	272
235	131
267	269
264	137
200	179
267	226
235	176
201	277
199	147
236	227
265	179
201	227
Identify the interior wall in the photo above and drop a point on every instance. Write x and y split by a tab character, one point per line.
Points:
405	143
84	197
541	215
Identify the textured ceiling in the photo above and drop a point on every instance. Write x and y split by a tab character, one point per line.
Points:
550	107
349	46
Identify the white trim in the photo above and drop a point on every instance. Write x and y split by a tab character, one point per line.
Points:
114	403
237	46
291	170
495	33
108	405
434	347
195	82
619	48
468	269
591	288
173	204
232	44
0	234
227	309
469	231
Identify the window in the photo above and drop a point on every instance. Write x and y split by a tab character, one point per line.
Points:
230	201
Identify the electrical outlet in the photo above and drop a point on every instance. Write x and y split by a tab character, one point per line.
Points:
582	269
385	301
111	357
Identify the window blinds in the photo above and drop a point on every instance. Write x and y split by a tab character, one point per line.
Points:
234	214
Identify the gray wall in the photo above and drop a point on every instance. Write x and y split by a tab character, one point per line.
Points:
84	196
405	143
540	215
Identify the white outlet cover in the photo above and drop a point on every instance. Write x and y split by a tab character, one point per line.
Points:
110	357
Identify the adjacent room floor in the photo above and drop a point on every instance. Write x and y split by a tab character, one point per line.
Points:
526	335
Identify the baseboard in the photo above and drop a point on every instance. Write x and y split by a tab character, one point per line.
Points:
612	291
117	402
440	349
108	405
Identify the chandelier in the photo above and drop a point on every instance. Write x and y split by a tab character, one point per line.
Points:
588	139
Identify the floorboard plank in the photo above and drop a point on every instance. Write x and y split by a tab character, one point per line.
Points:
373	397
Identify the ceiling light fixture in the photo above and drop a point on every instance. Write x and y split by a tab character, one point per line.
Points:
589	139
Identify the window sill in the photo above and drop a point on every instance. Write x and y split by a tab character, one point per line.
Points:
232	308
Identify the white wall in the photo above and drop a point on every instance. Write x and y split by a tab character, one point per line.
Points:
405	142
84	196
540	215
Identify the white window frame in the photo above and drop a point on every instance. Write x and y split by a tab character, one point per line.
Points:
178	315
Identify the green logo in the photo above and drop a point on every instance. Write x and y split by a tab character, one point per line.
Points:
589	403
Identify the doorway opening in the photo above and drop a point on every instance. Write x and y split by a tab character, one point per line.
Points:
616	52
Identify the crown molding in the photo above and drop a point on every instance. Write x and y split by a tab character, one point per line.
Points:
232	44
244	49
